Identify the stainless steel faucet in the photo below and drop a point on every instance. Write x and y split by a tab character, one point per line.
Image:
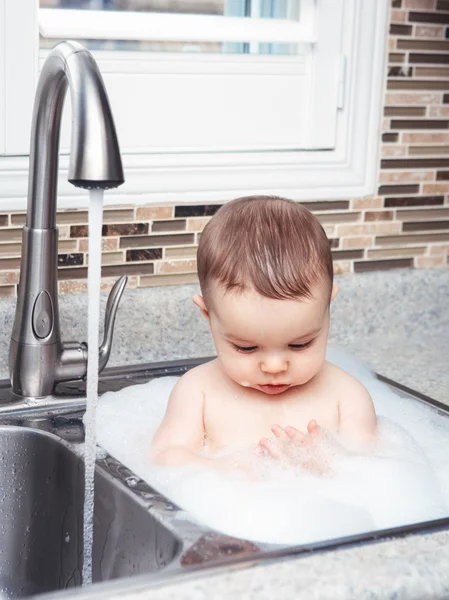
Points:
38	359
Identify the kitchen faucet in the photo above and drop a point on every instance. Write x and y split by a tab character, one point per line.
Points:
38	359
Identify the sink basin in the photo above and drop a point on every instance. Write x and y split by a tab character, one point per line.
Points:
41	519
139	535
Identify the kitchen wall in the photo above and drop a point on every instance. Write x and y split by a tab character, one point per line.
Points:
404	225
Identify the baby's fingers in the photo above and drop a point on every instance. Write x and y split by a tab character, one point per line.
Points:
271	448
313	428
295	435
280	433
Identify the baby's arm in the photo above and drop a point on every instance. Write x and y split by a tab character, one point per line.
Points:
180	437
357	417
181	433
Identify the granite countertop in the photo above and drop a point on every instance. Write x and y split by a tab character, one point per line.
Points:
395	321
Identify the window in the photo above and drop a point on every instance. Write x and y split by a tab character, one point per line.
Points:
286	100
142	29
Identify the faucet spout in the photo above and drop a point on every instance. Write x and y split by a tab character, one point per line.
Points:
36	351
95	160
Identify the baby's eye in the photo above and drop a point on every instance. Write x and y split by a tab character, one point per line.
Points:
299	346
245	349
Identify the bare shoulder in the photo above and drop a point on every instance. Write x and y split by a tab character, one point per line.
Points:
355	405
192	386
197	379
344	384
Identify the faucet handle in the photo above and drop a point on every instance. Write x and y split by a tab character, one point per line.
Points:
109	320
72	363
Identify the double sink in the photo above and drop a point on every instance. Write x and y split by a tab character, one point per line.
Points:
137	531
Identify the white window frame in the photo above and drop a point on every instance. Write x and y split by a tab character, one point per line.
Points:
141	26
349	170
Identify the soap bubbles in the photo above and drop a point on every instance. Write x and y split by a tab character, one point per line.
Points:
404	481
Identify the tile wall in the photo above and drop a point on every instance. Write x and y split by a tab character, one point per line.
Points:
406	224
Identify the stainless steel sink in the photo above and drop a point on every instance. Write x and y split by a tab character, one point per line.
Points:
139	535
41	519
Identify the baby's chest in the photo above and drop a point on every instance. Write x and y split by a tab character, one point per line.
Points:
229	423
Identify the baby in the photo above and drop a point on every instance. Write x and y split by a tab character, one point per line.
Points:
266	278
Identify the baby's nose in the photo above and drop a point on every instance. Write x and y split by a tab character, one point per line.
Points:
274	364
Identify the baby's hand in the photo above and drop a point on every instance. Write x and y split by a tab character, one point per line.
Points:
312	451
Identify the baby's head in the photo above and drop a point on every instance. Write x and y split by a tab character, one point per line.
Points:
266	277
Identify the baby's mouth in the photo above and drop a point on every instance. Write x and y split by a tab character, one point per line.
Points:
272	388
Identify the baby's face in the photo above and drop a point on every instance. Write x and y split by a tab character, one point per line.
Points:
270	345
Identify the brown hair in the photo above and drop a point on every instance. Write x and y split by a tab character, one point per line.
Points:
274	245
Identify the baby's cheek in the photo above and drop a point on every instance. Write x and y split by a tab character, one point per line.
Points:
309	368
235	368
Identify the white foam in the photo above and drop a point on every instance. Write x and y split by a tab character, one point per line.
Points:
406	481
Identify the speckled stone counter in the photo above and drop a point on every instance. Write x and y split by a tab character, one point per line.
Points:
395	321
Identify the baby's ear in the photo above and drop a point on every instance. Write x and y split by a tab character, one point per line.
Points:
199	301
335	290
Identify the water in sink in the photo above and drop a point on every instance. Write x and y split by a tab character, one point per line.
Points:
406	482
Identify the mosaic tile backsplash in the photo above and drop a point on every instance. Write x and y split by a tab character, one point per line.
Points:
406	224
